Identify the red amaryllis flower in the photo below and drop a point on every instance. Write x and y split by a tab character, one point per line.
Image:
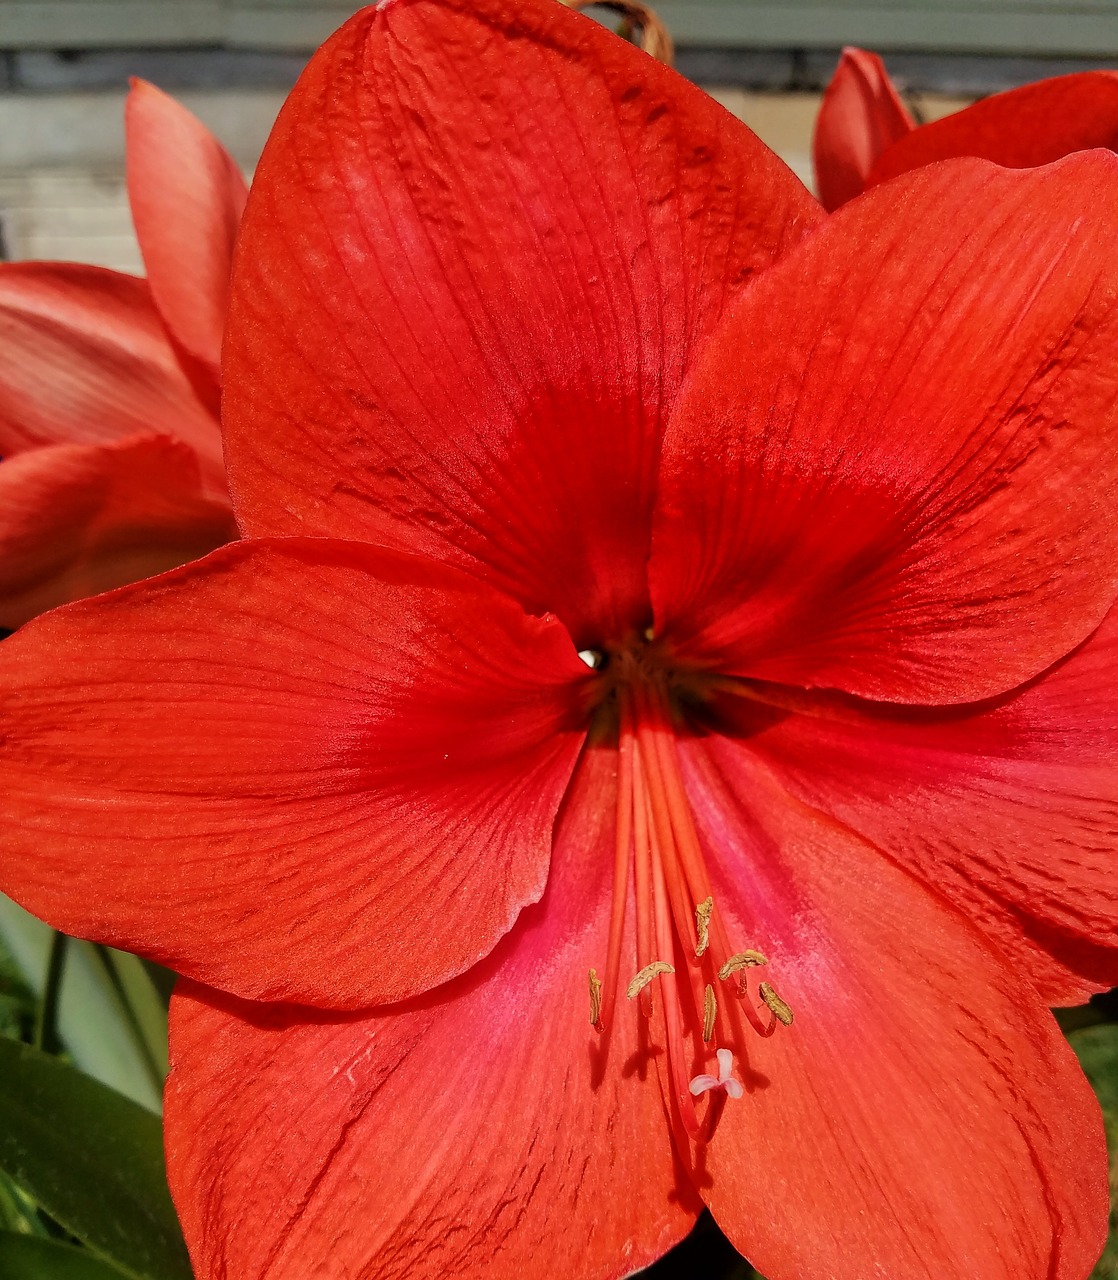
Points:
864	134
505	384
109	384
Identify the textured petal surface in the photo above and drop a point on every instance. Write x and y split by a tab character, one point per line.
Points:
894	471
923	1116
76	519
1025	127
860	115
300	770
187	196
473	1133
84	358
482	244
1010	808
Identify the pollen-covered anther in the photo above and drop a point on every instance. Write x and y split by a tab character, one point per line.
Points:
595	998
742	960
724	1080
703	913
710	1012
640	980
781	1010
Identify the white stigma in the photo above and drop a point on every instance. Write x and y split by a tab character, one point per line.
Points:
704	1083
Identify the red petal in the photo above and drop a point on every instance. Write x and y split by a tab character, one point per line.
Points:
895	468
470	1134
860	115
84	358
923	1116
1010	809
300	770
1033	125
483	242
76	519
187	196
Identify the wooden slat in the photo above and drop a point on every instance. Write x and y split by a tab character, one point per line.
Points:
986	28
1087	28
92	24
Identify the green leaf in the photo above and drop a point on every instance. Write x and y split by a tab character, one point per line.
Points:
31	1258
1097	1048
96	1028
92	1159
17	1212
145	1006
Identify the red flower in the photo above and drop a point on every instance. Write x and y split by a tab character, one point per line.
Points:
505	381
864	135
109	385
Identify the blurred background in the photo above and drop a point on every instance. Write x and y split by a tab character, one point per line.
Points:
64	68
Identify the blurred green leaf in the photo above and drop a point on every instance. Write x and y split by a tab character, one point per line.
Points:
17	1003
94	1023
1097	1048
144	1004
32	1258
92	1159
17	1212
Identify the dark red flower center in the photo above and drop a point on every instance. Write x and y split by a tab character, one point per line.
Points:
708	986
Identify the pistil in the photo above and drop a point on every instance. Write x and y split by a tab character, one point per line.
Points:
682	943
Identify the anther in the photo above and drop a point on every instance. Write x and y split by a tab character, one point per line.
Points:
743	960
724	1080
781	1010
710	1012
702	925
592	658
595	997
641	980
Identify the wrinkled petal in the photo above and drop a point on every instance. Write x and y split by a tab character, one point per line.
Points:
76	519
1009	808
894	470
300	770
473	1133
482	244
1025	127
860	115
186	195
923	1116
84	359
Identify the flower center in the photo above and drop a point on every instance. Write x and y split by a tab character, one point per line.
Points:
706	985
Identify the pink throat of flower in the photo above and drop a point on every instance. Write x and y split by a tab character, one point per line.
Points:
706	985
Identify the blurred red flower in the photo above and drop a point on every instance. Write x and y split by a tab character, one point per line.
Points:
536	353
865	135
109	384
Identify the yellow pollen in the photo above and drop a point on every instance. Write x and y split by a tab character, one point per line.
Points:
781	1011
702	924
595	997
743	960
710	1010
641	980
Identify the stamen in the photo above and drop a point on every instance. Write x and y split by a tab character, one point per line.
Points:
642	875
724	1080
641	980
742	960
622	855
660	860
710	1012
702	924
781	1011
595	998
